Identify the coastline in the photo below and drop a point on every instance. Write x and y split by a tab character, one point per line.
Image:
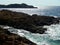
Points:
19	20
24	21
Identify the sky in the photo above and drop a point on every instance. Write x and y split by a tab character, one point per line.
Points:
36	3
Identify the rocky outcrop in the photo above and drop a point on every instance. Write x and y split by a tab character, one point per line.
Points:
7	38
24	21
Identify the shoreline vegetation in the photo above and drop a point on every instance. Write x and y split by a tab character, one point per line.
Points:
24	21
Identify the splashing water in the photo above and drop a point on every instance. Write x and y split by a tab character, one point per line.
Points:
52	36
53	31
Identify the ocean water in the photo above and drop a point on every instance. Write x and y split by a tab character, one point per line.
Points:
52	36
47	11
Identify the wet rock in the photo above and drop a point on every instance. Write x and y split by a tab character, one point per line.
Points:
24	21
7	38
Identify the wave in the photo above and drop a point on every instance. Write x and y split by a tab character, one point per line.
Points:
53	31
52	36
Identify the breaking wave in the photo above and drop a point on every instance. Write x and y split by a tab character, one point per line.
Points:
52	36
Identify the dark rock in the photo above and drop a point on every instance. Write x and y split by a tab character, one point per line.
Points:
23	5
24	21
7	38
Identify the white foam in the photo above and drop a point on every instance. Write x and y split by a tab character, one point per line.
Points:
53	31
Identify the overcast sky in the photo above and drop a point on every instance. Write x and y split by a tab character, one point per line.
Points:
37	3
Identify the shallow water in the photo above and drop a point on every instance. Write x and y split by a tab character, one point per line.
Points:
52	36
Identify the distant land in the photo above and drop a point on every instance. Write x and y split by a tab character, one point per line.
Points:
23	5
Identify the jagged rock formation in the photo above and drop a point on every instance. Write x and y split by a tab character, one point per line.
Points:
24	21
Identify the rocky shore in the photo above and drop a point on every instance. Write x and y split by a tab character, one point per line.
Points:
7	38
27	22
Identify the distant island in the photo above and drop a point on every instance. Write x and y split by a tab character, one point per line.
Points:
23	5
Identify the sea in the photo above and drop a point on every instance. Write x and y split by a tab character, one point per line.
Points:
46	10
52	36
